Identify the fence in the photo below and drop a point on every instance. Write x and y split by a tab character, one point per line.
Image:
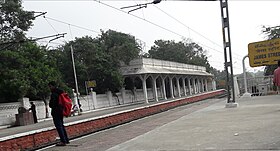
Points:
257	86
8	110
88	103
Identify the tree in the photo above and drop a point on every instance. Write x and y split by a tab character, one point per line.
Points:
271	33
25	68
98	59
13	84
119	46
14	21
26	72
183	52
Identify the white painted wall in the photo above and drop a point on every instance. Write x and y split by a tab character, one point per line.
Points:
8	110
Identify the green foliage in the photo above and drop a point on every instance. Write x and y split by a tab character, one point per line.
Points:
97	59
13	84
269	70
26	72
271	33
183	52
14	21
188	53
119	46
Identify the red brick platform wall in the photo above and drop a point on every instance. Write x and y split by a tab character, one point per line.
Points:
47	137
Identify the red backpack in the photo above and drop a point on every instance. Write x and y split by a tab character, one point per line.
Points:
65	101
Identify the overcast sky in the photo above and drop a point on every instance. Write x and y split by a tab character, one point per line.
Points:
168	20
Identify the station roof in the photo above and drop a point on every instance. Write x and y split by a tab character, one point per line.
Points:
155	66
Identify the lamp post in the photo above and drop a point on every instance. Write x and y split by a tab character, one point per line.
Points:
76	82
246	94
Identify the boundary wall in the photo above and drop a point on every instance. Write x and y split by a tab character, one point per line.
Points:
8	110
46	136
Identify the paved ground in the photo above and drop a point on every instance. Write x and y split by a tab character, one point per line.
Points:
207	125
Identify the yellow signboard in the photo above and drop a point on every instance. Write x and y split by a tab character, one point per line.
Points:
91	84
264	52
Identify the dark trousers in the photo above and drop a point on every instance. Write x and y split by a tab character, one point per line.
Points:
35	117
58	123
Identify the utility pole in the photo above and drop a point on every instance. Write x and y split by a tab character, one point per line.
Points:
76	82
227	53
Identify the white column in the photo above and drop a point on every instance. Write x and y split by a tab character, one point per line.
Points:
93	97
213	84
163	88
184	86
110	98
198	85
206	85
178	86
194	86
202	84
155	88
189	84
144	85
171	87
24	102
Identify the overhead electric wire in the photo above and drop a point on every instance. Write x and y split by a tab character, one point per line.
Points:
98	1
164	27
189	28
146	21
69	24
72	25
50	24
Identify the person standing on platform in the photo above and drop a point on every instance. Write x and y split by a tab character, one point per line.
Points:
276	77
33	110
57	114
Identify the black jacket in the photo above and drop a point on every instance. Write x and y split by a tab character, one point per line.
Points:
56	108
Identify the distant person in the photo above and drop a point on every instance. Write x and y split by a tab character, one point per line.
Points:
276	77
33	110
57	114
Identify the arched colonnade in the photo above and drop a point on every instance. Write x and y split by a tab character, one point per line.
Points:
165	86
166	79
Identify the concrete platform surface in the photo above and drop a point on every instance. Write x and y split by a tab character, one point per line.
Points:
254	125
43	134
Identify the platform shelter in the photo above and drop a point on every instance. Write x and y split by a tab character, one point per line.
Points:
166	79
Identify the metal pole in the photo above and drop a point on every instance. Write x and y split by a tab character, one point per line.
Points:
227	54
244	74
227	49
75	78
246	94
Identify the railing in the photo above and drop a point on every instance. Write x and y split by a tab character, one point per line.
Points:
257	86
